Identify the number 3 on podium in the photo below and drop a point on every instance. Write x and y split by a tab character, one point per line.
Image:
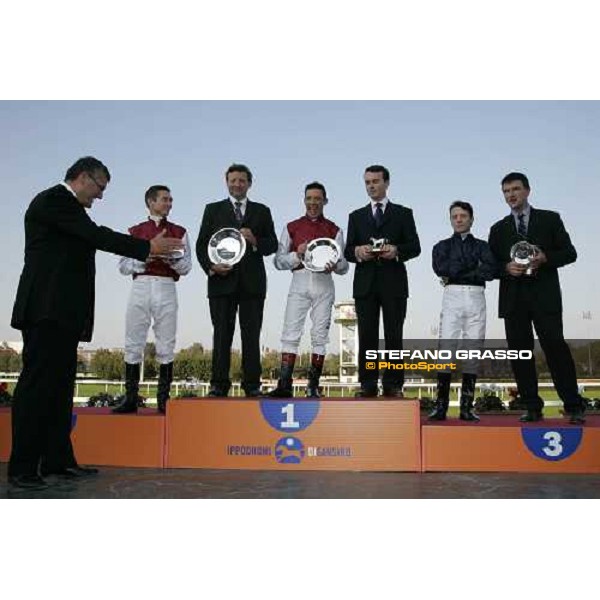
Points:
554	447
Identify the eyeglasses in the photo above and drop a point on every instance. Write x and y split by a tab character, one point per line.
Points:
100	187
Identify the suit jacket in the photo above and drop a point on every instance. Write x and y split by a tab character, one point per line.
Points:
545	230
398	227
248	276
58	278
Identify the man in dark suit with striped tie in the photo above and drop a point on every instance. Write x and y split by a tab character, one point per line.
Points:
534	300
380	280
242	286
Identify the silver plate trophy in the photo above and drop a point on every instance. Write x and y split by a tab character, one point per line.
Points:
523	253
377	245
319	253
226	246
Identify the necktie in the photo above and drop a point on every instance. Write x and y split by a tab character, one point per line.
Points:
378	214
521	229
238	212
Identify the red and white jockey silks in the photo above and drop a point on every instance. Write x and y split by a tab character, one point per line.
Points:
153	296
146	230
308	290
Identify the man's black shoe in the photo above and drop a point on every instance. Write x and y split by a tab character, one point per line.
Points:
85	471
281	392
253	392
366	392
393	392
77	472
577	417
218	393
129	405
531	416
28	482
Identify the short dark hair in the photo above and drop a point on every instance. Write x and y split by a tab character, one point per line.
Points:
152	192
379	169
315	185
464	205
240	169
516	177
87	164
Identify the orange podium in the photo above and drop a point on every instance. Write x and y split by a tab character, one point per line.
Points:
101	438
502	443
344	434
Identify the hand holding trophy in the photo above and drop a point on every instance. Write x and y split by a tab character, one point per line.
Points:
382	250
523	253
321	254
226	248
377	245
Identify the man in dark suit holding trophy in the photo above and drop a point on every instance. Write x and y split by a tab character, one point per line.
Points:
530	295
381	237
241	286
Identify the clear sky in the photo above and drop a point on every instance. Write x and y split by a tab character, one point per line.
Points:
437	152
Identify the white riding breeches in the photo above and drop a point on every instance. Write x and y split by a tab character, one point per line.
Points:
308	291
462	321
152	300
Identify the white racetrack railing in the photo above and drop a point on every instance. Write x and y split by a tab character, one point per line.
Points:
201	388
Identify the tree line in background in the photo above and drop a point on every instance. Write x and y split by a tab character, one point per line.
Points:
10	360
194	362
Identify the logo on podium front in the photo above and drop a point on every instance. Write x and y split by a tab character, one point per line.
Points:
289	450
552	444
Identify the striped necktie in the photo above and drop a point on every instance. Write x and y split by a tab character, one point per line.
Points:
238	212
521	229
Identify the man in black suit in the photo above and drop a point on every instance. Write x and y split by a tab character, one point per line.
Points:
54	308
380	281
242	286
534	300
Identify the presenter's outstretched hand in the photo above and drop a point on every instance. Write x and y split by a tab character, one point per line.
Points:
160	244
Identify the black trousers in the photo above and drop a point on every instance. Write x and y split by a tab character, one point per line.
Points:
549	328
368	310
42	407
223	310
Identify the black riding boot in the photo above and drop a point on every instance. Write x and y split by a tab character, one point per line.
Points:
443	398
467	398
165	377
284	387
132	388
314	375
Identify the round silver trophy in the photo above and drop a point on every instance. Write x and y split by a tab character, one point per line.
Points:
319	253
523	253
226	246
